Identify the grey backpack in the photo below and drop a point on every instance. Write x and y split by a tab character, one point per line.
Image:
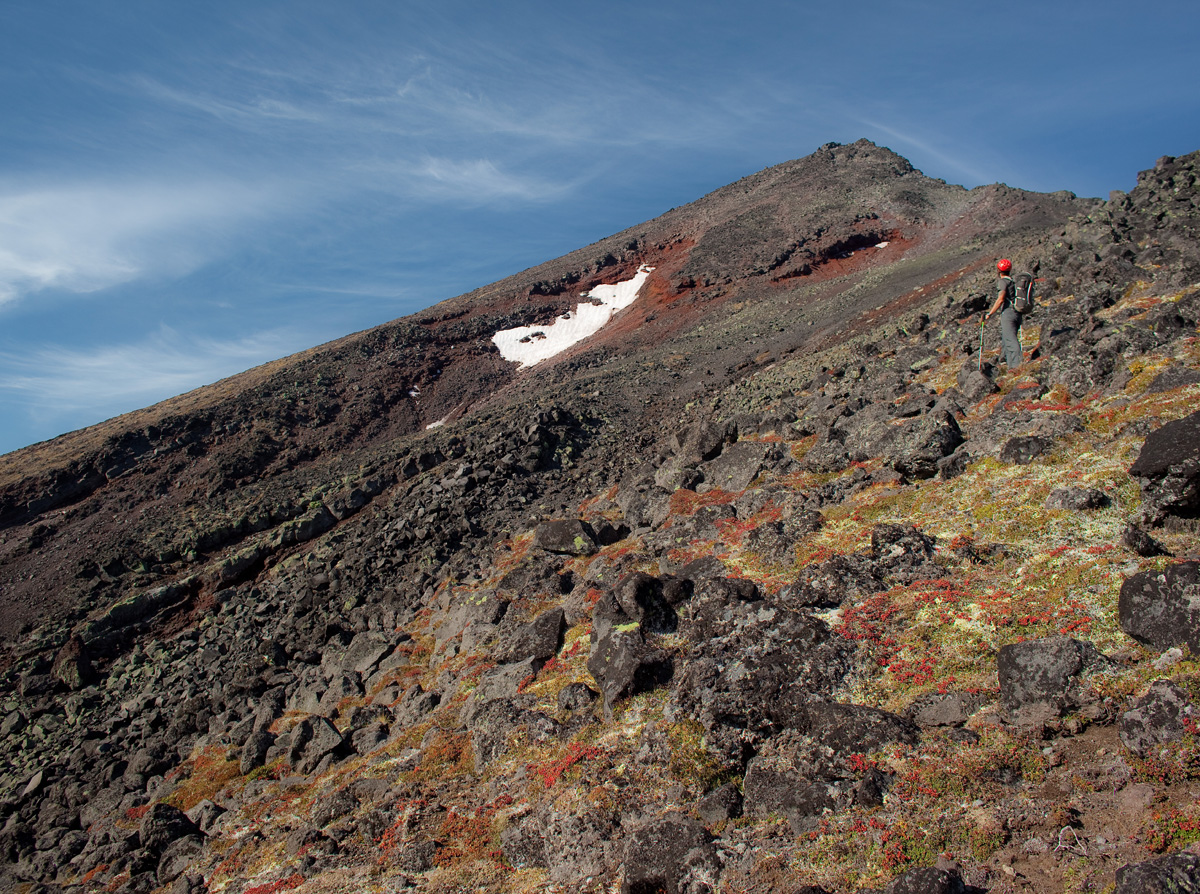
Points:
1023	289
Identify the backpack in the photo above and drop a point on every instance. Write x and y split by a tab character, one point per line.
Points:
1023	288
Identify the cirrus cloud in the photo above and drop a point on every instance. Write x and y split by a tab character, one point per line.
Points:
87	237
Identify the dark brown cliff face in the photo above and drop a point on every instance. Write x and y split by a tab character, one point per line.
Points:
356	536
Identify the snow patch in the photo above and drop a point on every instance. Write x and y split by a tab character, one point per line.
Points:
882	244
529	345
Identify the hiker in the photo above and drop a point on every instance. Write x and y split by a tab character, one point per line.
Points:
1010	319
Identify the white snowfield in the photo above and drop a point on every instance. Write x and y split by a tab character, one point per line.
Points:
529	345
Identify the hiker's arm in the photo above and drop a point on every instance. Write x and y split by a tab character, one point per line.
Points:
999	304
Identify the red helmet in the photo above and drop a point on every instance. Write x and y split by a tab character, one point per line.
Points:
1004	265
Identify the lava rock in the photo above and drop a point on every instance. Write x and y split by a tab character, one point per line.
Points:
770	790
539	639
254	751
365	651
845	728
737	466
1168	469
1076	499
641	598
576	697
572	537
917	446
1173	377
1040	679
1024	449
413	705
621	661
927	880
1174	874
73	664
721	804
1162	609
179	856
578	845
162	825
312	739
670	854
490	727
1137	541
1158	716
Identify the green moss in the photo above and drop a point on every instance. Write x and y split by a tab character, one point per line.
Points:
691	762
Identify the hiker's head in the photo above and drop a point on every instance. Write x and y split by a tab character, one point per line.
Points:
1004	265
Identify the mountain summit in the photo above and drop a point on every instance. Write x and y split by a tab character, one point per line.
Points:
716	555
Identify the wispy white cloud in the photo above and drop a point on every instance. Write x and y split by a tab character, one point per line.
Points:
471	181
111	379
87	237
224	108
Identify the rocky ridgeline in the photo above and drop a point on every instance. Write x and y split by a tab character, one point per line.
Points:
767	648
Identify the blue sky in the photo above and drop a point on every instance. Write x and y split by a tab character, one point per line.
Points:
188	190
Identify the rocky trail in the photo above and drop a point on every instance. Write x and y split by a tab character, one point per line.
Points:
777	585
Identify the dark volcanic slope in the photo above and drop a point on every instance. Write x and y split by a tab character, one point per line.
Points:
776	581
759	268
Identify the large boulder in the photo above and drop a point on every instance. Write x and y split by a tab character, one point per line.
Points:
702	440
783	791
539	639
846	728
366	650
916	445
622	661
755	673
834	581
571	537
1159	716
1161	609
163	824
73	664
470	607
900	546
738	465
1076	499
1040	679
490	727
641	597
578	844
1024	449
927	880
178	857
312	739
1174	874
1168	469
671	854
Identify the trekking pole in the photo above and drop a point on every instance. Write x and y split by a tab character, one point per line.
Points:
982	322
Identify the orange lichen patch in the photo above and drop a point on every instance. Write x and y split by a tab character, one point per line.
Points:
688	502
295	880
448	755
588	506
210	770
551	771
510	553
